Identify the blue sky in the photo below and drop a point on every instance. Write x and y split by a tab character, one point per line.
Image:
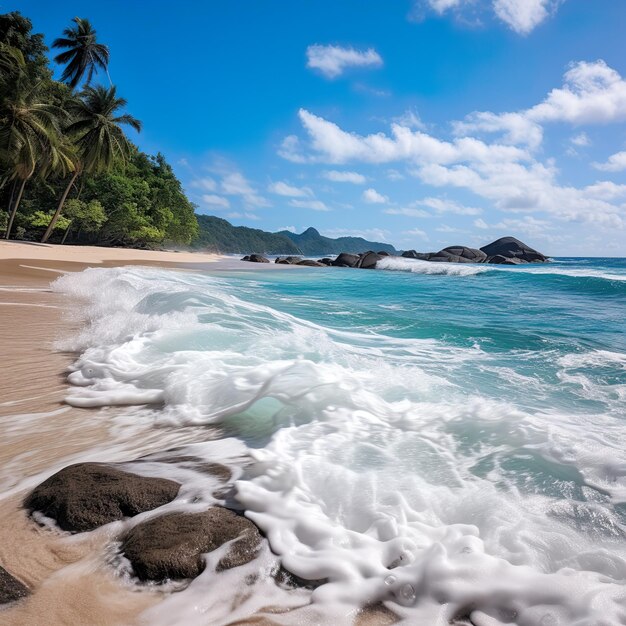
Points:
421	123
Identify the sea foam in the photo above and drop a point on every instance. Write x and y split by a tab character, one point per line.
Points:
375	462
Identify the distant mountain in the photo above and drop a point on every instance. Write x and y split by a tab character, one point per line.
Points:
218	235
311	243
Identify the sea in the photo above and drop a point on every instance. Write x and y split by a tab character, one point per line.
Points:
445	443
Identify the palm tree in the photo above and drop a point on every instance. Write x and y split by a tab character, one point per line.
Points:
29	139
84	55
98	137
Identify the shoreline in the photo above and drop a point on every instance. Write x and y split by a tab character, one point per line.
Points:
41	434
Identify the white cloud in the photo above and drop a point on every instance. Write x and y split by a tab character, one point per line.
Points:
283	189
243	216
207	184
528	225
523	16
344	177
480	223
334	145
371	196
236	184
410	119
408	212
314	205
290	149
331	61
582	140
394	175
291	229
444	228
615	163
448	206
416	232
373	234
215	200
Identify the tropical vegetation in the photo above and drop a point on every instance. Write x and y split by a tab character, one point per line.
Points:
68	171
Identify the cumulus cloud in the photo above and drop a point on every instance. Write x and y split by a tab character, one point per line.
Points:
281	188
332	61
521	16
344	177
592	93
214	200
206	184
582	140
371	196
441	205
236	184
334	145
416	232
314	205
615	163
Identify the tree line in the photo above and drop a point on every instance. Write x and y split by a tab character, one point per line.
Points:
68	171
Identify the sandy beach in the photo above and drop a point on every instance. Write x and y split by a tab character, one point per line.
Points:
39	431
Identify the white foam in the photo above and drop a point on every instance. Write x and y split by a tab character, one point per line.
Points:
373	467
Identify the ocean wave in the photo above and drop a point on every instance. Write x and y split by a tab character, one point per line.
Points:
373	467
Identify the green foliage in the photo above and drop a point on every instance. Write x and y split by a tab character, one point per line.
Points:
83	174
218	235
39	219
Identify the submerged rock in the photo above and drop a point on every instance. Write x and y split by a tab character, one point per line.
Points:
498	259
11	588
509	247
171	546
255	258
84	496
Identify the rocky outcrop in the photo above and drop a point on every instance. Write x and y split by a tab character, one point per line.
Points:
255	258
11	588
345	259
288	260
84	496
311	263
420	256
171	546
511	248
368	260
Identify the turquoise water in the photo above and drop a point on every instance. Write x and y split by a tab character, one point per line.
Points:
444	439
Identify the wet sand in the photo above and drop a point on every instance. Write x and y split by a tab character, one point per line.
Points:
39	433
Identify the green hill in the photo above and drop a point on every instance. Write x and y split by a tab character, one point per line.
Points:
218	235
311	243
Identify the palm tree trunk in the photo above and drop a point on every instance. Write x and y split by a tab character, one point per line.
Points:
57	213
15	207
67	230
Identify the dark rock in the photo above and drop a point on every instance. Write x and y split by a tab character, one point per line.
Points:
84	496
383	253
420	256
498	259
509	247
326	261
311	263
470	254
446	257
255	258
288	260
172	545
368	260
346	259
11	588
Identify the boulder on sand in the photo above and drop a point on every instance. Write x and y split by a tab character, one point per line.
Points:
420	256
311	263
288	260
11	588
255	258
171	545
509	247
84	496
